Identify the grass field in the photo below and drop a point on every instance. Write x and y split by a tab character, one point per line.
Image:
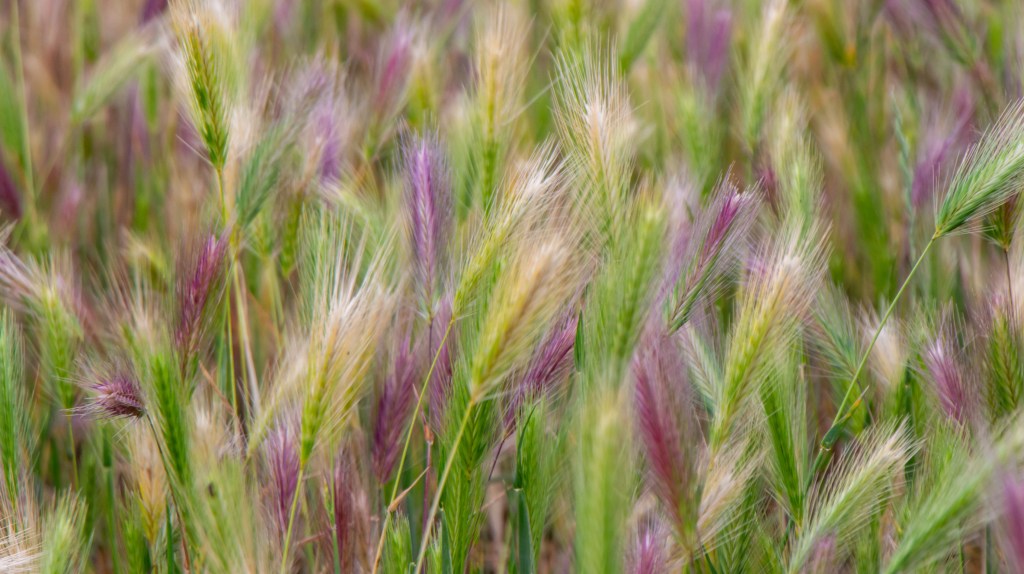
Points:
453	286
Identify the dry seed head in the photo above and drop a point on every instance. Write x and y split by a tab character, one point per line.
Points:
781	288
501	67
536	288
147	476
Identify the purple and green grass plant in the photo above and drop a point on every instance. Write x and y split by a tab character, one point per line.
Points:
989	174
357	203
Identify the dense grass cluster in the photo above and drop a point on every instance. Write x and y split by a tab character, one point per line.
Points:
596	286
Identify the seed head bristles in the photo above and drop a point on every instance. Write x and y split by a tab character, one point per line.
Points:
650	551
762	70
428	202
891	353
16	441
727	477
549	368
949	502
147	479
854	492
116	396
64	535
603	479
529	189
198	290
393	70
708	34
536	285
988	175
835	333
796	167
20	281
598	132
713	249
202	41
780	290
953	385
342	342
282	456
349	515
665	421
20	536
443	348
539	284
500	68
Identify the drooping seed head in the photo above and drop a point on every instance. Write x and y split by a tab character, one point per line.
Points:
989	174
117	396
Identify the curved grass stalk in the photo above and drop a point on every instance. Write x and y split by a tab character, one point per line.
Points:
844	411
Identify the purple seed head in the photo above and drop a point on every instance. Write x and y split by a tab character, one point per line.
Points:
117	396
395	62
648	553
715	244
349	514
393	405
708	35
428	203
198	284
283	461
943	364
331	145
441	379
549	367
663	419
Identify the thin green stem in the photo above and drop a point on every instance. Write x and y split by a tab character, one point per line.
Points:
405	448
844	411
291	520
440	487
